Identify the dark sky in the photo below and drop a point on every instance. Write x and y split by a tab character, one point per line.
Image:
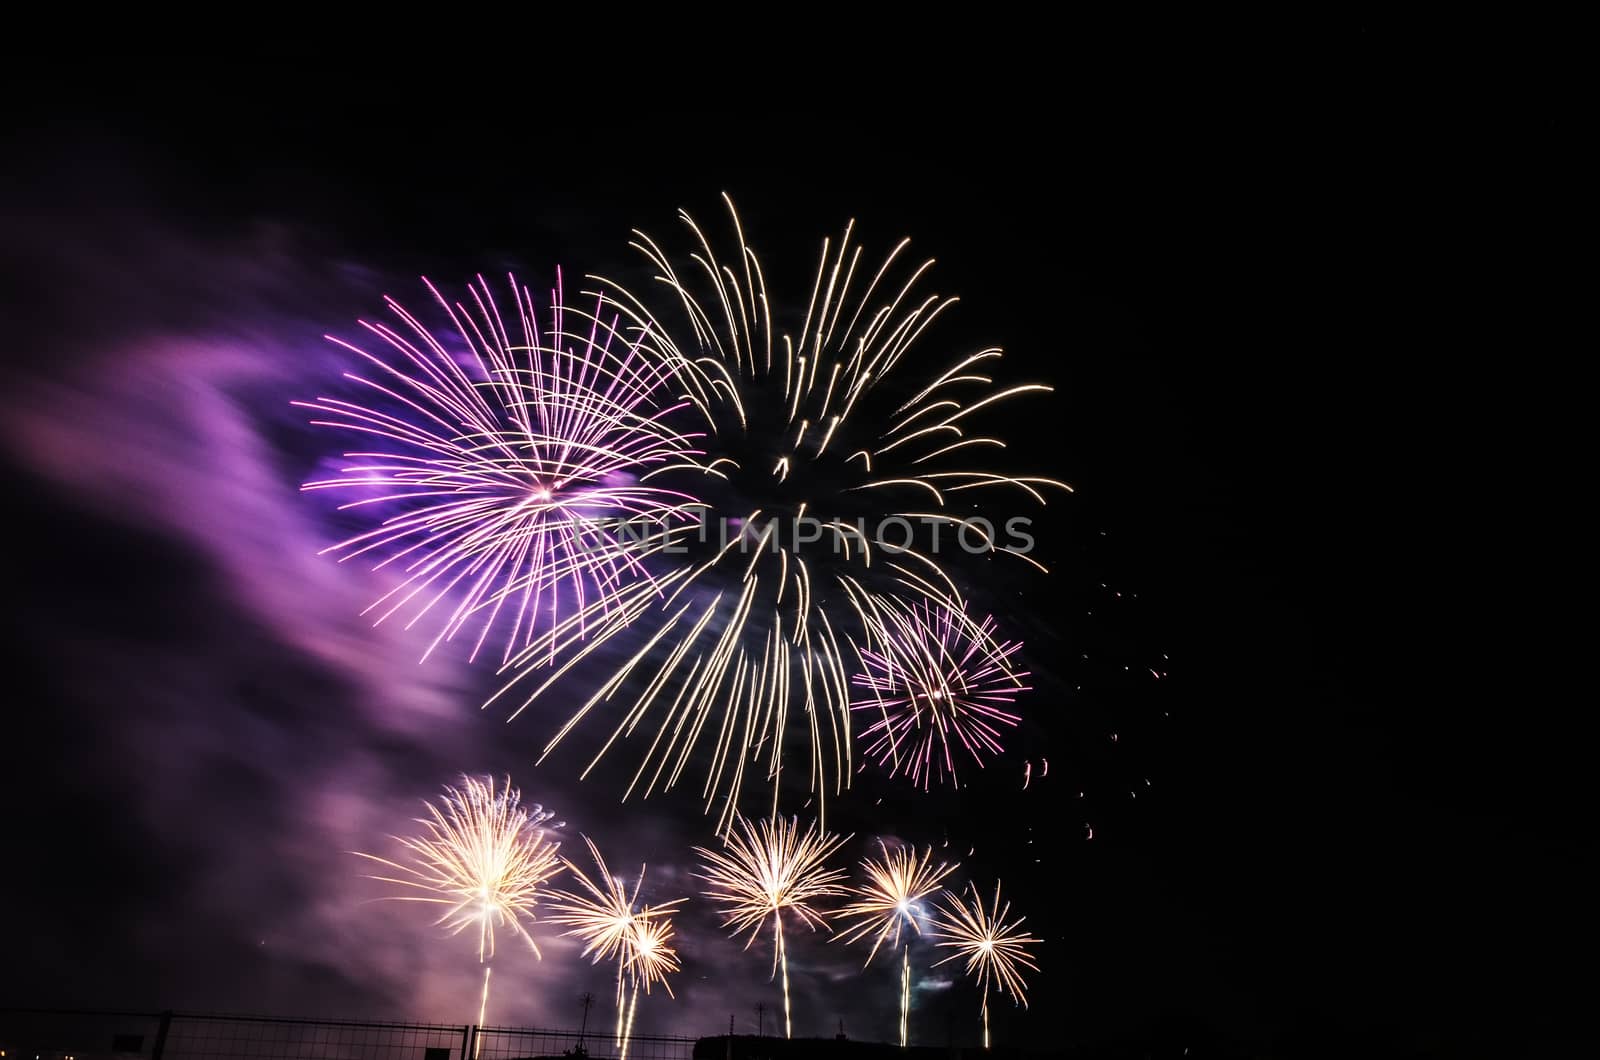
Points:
1349	820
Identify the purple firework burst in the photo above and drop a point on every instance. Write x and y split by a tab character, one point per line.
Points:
506	460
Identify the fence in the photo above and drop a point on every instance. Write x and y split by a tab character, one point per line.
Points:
56	1034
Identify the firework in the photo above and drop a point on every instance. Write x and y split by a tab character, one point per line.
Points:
653	957
650	959
604	914
766	869
888	902
934	682
484	858
993	946
504	457
749	641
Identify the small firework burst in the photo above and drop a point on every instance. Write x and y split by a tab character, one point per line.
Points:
484	857
653	957
938	686
891	898
889	901
604	914
993	945
765	869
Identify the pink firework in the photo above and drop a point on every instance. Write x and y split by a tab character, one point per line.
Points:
508	464
934	681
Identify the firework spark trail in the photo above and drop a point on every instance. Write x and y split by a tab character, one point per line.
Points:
934	680
504	452
604	916
765	869
732	673
889	901
994	947
484	857
905	996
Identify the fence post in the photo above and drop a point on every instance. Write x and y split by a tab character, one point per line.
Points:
466	1041
161	1036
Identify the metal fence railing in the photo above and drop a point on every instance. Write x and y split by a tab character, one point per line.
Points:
61	1034
514	1043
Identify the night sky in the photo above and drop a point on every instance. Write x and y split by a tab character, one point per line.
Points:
1348	817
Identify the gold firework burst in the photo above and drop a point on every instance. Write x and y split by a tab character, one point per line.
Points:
993	945
653	957
484	857
888	902
896	883
603	914
765	869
